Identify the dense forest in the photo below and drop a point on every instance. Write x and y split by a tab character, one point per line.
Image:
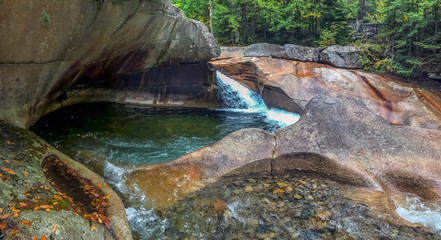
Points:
409	41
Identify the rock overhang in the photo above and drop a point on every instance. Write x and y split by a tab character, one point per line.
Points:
94	40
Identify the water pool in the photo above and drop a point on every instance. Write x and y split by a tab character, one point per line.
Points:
135	135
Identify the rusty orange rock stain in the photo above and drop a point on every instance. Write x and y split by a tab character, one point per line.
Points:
431	99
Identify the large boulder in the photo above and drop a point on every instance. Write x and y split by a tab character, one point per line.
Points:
232	52
301	53
264	50
342	56
50	45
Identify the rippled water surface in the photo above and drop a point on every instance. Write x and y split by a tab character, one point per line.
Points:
134	135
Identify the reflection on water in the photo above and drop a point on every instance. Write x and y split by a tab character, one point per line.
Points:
134	135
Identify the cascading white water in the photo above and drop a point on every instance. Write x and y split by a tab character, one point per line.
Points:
414	210
236	97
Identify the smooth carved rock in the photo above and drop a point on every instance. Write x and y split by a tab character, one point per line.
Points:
342	56
301	53
346	133
166	183
397	102
88	39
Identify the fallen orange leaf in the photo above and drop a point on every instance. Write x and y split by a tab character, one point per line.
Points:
1	210
16	215
35	238
54	227
5	169
13	232
5	215
2	225
6	161
48	210
92	228
26	222
45	206
44	238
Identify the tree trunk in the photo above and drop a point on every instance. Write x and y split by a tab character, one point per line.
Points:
361	10
211	17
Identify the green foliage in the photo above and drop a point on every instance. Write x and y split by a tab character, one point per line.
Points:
327	38
410	35
412	29
45	19
274	21
374	58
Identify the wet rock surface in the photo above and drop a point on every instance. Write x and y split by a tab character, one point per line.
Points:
277	207
30	207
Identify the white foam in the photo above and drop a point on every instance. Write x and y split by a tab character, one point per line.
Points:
284	118
416	211
146	222
234	208
232	90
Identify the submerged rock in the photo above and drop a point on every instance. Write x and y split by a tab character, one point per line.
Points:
264	215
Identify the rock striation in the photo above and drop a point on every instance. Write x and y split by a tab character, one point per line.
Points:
51	45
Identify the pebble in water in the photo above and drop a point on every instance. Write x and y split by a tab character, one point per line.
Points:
282	207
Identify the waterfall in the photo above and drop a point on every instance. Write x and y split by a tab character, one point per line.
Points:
236	97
